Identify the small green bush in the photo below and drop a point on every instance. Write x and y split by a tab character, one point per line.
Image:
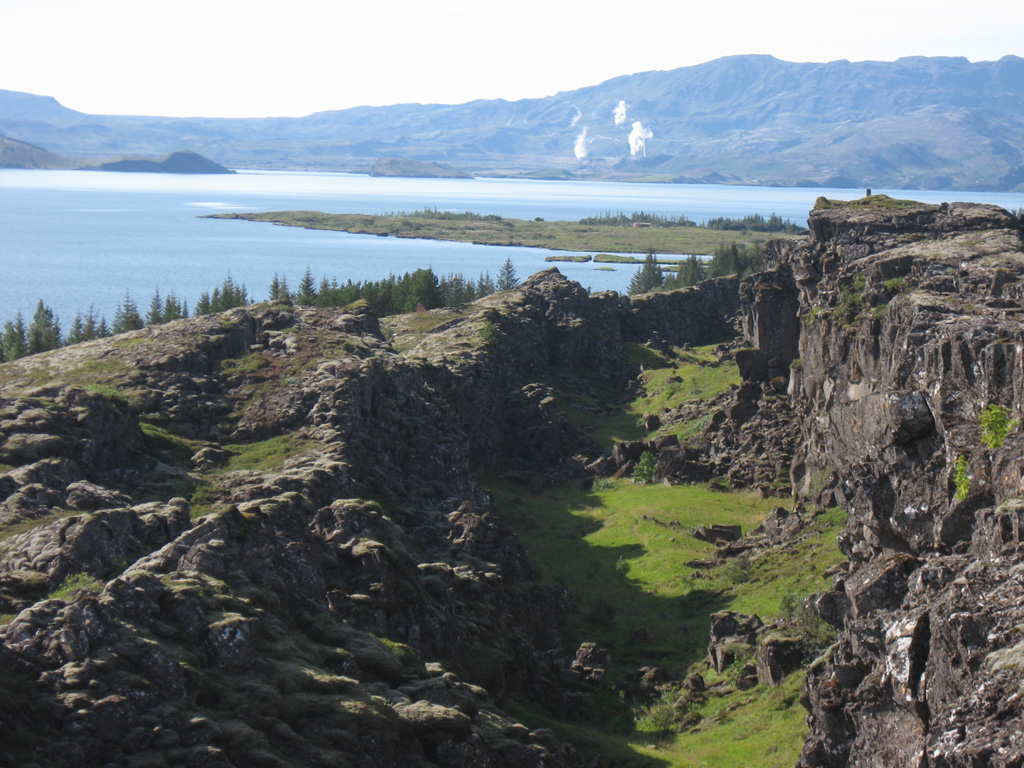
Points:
961	478
736	571
895	284
75	582
643	473
996	424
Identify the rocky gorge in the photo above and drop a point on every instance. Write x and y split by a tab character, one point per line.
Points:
265	537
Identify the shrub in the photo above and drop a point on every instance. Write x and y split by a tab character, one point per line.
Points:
813	632
75	582
643	473
961	478
996	424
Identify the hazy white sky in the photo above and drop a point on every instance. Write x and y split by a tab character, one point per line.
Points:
236	58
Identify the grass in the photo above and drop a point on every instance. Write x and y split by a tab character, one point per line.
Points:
27	525
265	454
622	552
669	381
554	235
75	583
872	201
241	366
763	727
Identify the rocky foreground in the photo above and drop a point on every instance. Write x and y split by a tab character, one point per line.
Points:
260	538
897	329
255	539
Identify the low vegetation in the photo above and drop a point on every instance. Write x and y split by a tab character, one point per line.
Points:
624	550
607	234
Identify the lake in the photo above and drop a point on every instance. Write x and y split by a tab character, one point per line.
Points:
77	239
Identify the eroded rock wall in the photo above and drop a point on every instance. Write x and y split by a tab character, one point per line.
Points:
338	590
907	325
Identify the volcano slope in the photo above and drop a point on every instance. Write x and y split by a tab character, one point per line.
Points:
255	538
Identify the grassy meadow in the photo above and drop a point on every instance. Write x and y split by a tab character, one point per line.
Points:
625	553
553	235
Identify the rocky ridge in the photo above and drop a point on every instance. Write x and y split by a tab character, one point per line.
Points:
256	538
897	327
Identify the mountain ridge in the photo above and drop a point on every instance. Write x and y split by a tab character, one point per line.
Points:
918	122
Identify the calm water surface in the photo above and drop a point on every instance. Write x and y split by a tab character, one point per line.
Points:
78	238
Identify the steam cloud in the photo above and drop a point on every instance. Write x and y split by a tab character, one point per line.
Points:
638	137
620	112
576	119
580	148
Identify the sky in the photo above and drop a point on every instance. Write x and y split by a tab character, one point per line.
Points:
255	58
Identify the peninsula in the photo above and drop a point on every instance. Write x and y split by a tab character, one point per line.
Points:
613	234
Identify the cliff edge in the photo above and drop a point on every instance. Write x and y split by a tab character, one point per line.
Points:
897	328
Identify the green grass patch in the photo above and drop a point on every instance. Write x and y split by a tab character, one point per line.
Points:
266	454
622	552
763	727
27	525
75	583
670	380
616	258
872	201
795	569
488	230
158	439
243	366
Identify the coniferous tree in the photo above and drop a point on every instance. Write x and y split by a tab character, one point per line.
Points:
155	316
44	330
76	333
648	278
172	309
307	290
127	317
507	279
485	285
91	326
14	339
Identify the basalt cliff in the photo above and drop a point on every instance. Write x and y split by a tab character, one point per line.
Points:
897	331
264	537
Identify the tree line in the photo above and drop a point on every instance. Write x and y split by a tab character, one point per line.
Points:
389	296
728	259
753	223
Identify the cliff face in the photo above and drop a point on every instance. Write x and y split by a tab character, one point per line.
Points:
256	538
899	326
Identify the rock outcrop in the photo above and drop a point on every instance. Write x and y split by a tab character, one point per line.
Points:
898	328
256	538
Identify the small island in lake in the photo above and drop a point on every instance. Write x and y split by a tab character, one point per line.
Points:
22	155
415	169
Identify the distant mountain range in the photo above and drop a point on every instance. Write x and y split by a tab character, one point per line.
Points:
917	123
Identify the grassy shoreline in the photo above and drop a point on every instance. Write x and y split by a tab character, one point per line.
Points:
495	230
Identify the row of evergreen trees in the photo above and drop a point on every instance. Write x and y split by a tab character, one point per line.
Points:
729	259
392	295
753	223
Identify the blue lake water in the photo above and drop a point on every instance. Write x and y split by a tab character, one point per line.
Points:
77	239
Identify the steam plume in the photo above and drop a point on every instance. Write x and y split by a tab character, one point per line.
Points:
620	112
576	119
580	148
638	137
